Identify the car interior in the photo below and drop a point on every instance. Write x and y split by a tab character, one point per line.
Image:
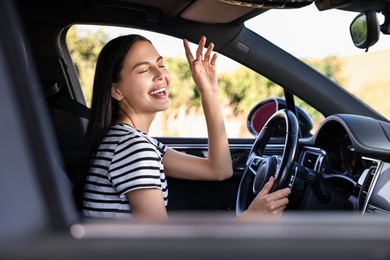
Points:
339	141
342	166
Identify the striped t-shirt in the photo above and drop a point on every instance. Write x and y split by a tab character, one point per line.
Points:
127	159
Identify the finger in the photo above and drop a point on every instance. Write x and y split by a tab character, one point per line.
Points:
202	43
188	53
278	212
284	192
277	205
280	204
207	55
214	59
267	187
279	194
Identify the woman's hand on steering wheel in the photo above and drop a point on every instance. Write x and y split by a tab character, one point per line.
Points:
267	202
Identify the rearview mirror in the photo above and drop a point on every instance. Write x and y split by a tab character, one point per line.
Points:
364	30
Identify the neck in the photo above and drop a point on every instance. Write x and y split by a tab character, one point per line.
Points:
140	122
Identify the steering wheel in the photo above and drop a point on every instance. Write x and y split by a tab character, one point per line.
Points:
259	168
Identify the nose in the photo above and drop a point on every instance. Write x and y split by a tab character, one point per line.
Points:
161	73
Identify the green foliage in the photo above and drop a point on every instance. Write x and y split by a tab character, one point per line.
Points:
240	89
243	88
182	90
85	48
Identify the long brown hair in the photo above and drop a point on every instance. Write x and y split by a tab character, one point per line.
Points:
104	108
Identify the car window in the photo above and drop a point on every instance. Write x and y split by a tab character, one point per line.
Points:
239	86
322	39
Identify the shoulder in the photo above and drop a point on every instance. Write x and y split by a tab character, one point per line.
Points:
128	137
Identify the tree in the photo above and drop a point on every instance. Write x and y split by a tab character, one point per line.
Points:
182	91
84	48
243	88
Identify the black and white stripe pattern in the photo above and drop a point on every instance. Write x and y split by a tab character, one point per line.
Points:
127	159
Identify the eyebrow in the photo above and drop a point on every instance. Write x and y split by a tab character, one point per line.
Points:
146	62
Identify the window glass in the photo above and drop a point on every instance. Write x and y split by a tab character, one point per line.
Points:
322	39
239	86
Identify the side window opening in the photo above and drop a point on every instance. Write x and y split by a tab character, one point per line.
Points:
239	86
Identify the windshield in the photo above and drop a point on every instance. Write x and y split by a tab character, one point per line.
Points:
323	38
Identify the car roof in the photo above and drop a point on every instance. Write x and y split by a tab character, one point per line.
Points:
203	11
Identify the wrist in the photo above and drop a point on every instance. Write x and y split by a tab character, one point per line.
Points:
208	93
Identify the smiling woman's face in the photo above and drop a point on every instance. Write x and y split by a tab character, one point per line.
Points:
144	80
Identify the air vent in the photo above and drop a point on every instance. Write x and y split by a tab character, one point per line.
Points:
311	160
366	187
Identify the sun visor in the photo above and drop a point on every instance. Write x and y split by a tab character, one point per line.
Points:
206	11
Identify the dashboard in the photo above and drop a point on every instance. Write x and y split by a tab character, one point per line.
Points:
341	156
350	155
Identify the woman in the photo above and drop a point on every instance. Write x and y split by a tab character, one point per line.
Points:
127	167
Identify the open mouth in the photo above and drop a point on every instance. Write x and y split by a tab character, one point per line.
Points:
160	92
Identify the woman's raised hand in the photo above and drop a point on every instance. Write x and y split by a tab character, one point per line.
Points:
202	67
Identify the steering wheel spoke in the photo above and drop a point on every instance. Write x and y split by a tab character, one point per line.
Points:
254	163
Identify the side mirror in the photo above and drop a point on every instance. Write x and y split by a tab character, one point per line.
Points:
364	30
263	110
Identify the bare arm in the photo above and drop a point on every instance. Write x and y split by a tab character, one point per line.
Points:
147	205
218	165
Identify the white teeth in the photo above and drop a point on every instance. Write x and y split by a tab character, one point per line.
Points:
157	91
